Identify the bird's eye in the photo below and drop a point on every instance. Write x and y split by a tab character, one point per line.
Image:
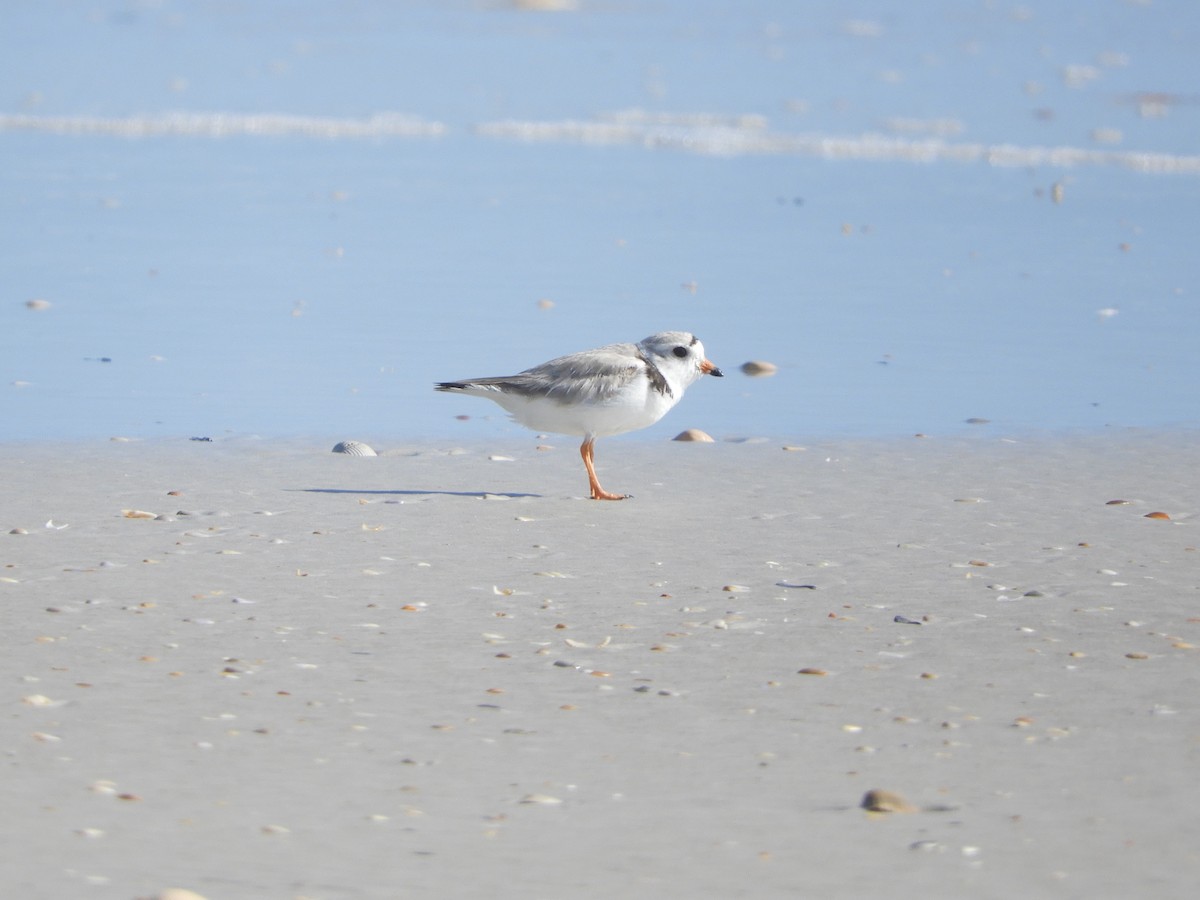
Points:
681	352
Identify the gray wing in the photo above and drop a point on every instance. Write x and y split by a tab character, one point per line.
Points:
593	376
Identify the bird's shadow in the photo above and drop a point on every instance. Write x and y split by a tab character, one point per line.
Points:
416	493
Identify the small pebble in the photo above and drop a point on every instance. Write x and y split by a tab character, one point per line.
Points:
811	670
694	434
757	368
1156	515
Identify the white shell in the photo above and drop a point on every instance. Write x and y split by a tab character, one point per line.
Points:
353	448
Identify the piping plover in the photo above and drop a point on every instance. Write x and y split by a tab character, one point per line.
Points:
609	390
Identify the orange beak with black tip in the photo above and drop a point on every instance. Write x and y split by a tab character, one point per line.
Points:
709	369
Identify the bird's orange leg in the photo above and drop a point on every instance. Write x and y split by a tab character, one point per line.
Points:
598	493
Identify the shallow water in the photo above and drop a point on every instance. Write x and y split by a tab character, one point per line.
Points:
364	200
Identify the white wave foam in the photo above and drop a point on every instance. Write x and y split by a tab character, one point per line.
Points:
703	133
733	138
218	125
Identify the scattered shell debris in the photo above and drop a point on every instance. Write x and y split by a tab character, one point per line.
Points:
354	448
694	434
757	368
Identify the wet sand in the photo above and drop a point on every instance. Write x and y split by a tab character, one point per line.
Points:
438	674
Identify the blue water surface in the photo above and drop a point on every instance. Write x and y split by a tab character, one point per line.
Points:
248	281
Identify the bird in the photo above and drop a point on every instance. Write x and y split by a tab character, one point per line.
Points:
597	393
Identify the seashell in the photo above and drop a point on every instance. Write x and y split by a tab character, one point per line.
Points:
353	448
1156	515
757	368
41	700
885	801
811	670
694	434
541	799
138	514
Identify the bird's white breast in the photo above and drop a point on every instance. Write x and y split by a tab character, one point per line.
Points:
636	406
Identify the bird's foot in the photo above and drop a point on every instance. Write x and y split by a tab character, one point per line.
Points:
598	493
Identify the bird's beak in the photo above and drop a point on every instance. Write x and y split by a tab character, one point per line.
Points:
709	369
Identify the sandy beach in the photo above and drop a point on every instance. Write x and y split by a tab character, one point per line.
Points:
259	670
